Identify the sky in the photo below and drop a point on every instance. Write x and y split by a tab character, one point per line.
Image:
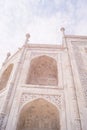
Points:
42	19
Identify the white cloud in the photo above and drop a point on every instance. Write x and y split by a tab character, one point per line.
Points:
42	19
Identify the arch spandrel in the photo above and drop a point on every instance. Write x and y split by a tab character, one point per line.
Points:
39	115
43	71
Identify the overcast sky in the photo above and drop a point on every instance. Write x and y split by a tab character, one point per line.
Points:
42	19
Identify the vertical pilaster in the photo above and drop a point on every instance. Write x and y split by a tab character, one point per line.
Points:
12	88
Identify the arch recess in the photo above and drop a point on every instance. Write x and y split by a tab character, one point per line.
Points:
43	71
39	115
5	76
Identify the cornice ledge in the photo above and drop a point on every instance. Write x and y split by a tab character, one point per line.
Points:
76	36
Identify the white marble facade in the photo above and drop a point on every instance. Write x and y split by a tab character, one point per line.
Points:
45	86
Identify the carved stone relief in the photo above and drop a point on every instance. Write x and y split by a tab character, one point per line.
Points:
56	99
81	68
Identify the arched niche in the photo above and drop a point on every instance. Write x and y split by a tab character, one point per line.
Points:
43	71
39	115
5	76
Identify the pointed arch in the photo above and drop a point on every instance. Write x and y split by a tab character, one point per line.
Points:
39	115
43	71
5	76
